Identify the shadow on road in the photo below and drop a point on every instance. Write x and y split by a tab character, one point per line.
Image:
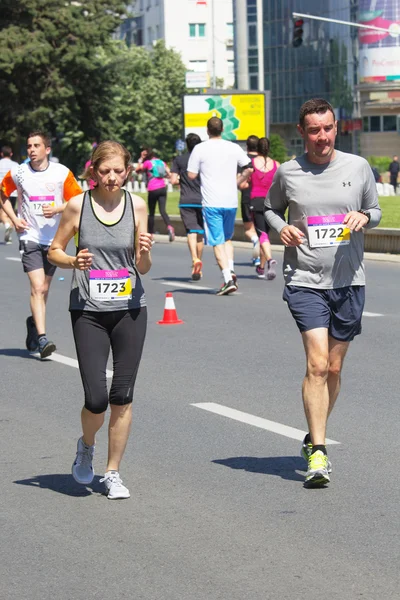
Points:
282	466
63	484
21	352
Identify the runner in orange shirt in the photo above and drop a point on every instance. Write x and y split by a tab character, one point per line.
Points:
43	188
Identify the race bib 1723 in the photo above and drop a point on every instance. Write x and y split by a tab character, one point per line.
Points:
36	203
327	230
110	285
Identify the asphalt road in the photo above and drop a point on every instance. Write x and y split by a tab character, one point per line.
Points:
218	510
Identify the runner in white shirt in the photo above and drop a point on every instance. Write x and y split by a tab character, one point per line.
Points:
217	160
5	165
43	187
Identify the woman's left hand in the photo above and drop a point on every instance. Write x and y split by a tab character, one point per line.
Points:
145	242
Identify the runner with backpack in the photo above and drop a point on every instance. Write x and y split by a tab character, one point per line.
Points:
156	171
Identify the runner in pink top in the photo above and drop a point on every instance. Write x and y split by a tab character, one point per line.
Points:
156	171
260	181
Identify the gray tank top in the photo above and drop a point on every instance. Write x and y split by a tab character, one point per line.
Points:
113	282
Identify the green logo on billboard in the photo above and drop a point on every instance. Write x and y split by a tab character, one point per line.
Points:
227	112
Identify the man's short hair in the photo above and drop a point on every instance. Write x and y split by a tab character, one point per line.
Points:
6	151
215	126
192	139
315	105
45	137
251	143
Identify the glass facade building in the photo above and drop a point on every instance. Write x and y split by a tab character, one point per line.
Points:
325	65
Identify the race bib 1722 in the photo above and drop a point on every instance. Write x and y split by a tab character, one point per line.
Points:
327	230
36	203
110	285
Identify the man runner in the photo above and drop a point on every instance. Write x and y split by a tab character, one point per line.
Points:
330	196
5	165
42	187
190	204
217	160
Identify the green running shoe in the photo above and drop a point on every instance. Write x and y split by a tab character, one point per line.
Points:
317	474
306	450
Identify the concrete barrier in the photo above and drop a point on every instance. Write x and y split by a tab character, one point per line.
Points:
380	240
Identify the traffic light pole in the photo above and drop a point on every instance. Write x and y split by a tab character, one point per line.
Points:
360	25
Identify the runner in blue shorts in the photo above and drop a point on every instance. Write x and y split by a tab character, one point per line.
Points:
216	161
330	197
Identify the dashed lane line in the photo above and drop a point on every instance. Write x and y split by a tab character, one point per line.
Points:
71	362
243	417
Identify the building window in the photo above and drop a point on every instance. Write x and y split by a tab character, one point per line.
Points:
197	30
199	66
374	123
229	30
149	36
252	35
389	123
231	67
253	82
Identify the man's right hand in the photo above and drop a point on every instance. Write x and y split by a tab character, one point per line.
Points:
20	225
291	236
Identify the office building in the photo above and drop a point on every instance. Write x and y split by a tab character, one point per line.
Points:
357	72
200	30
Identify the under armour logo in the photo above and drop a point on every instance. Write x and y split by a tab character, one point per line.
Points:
346	183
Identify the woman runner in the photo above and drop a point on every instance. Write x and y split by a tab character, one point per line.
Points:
264	169
107	303
156	171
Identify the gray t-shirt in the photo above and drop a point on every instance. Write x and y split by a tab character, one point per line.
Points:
317	196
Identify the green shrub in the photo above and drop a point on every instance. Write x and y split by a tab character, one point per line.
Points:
380	162
277	149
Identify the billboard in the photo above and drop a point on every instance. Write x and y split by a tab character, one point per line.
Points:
379	57
243	113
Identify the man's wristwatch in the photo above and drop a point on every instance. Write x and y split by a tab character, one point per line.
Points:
366	213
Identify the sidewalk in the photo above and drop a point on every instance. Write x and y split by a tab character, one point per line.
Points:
380	243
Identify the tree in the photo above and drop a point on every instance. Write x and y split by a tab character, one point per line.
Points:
61	71
50	68
149	92
277	149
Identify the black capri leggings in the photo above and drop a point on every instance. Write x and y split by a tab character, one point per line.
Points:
159	196
257	212
123	331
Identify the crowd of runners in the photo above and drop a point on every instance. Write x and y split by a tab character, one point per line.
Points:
318	203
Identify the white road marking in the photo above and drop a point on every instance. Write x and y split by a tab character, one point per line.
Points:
13	258
370	314
194	287
189	286
71	362
238	415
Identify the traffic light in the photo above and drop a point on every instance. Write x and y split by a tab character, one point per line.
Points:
298	32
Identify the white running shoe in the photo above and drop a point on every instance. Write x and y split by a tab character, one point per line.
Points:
115	490
82	469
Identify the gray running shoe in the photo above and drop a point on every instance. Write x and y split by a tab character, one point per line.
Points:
305	452
82	469
271	273
46	347
115	489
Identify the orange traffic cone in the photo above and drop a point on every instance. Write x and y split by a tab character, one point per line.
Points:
170	316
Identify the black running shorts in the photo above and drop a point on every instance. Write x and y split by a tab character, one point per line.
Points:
192	218
34	256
